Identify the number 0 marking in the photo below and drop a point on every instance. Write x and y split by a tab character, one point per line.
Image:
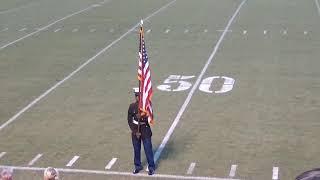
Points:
207	83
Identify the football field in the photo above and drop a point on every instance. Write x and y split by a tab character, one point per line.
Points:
236	87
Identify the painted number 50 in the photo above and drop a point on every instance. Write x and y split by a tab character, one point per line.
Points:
179	83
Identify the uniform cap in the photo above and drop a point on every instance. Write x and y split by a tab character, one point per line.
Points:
136	91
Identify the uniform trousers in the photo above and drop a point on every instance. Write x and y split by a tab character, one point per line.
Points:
147	145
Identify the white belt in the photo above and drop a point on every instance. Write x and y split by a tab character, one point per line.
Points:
136	122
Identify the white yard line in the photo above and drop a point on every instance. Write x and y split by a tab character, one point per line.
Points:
111	163
31	104
233	170
85	171
275	173
2	154
72	161
35	159
196	84
191	168
318	6
46	27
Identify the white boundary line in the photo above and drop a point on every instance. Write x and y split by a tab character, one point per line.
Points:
196	84
167	176
191	168
72	161
31	104
111	163
36	158
318	6
47	26
2	154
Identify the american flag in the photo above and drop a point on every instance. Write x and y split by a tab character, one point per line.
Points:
144	76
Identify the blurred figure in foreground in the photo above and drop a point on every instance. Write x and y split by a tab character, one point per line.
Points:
310	175
6	174
50	173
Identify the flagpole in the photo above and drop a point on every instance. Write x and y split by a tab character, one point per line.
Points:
140	94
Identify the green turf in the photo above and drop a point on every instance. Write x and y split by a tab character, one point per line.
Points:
268	119
43	60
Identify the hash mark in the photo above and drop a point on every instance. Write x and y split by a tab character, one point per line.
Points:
72	161
191	168
110	164
233	170
36	158
2	154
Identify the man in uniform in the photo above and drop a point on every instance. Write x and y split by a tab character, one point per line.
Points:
141	131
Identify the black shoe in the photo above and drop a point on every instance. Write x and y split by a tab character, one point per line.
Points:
151	172
136	171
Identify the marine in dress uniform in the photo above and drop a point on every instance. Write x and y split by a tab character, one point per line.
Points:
140	131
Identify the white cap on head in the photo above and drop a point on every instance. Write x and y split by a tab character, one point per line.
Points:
136	91
6	174
51	173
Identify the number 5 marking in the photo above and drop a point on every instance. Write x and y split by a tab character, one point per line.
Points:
173	79
226	87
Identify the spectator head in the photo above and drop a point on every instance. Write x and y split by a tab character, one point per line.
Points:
50	173
310	175
6	174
